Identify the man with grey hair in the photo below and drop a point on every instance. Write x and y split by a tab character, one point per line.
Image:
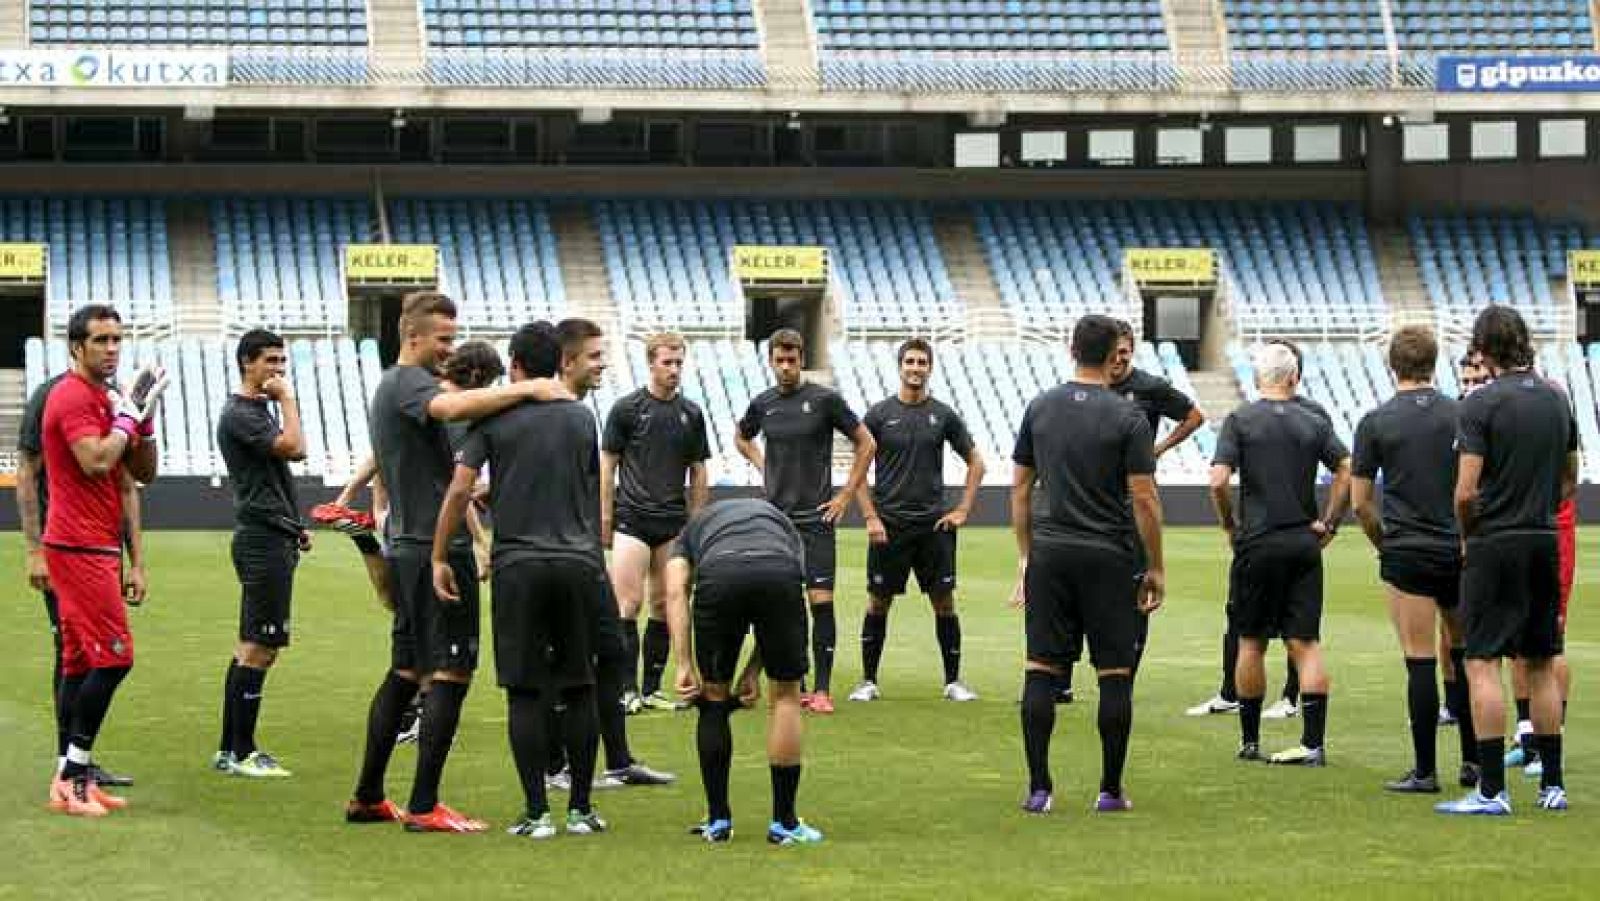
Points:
1275	445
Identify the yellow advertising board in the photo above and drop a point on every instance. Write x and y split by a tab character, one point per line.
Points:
764	263
1583	268
23	262
1171	265
412	263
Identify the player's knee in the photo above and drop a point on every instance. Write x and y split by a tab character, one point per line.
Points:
460	677
820	596
1040	666
878	605
944	604
714	692
784	690
257	656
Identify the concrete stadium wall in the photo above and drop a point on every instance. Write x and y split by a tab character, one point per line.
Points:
195	503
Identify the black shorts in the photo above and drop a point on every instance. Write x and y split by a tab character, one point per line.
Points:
545	615
724	611
1511	589
1429	573
922	549
1077	592
265	563
52	609
430	635
653	531
606	635
818	544
1275	587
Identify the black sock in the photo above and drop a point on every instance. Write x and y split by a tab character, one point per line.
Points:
367	544
66	699
714	739
785	787
245	686
556	757
824	634
527	724
657	647
1116	724
611	673
389	703
1524	706
1291	683
630	650
1250	721
57	682
582	738
1492	758
948	631
1038	722
874	631
441	714
1314	719
1422	707
88	713
1457	698
1550	758
1230	659
225	743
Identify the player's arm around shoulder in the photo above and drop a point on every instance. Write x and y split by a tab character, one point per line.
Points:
481	403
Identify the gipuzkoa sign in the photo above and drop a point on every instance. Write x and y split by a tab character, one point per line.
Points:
68	68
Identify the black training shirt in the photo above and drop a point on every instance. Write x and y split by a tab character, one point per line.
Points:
908	484
1155	397
263	491
1411	440
1084	441
414	454
1275	446
799	429
30	440
544	490
1523	429
657	440
740	538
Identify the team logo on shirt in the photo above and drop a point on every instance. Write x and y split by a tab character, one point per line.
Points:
1080	396
933	419
683	418
805	406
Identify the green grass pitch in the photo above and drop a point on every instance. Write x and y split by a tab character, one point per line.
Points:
918	797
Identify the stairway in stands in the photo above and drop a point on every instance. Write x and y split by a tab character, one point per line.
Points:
968	266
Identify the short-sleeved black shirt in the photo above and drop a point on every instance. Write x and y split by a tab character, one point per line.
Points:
544	491
1523	428
414	454
1155	397
799	429
263	490
30	440
908	486
739	538
1084	441
1410	440
1275	446
657	440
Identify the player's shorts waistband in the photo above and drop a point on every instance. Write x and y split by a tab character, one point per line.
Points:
91	551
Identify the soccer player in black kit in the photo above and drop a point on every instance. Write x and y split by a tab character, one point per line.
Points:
549	576
654	438
913	530
1275	583
268	538
1409	443
743	557
433	639
1092	454
798	419
1518	444
1156	399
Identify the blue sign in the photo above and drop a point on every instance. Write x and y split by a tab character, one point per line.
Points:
1518	74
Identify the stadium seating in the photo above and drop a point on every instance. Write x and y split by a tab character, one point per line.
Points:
669	260
497	257
625	43
1307	44
283	40
102	250
332	378
279	259
1426	27
1018	45
1469	261
1293	268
